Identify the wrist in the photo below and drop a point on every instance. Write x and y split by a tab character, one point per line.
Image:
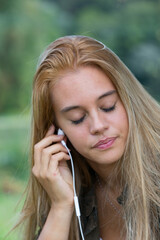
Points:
60	217
59	209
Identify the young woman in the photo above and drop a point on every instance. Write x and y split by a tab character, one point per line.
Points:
112	129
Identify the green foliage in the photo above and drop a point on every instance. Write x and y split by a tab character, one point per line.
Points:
130	28
14	145
14	149
133	33
26	27
9	215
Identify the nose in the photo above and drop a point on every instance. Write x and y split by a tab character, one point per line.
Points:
98	124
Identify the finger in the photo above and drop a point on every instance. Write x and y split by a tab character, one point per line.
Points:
52	170
43	144
48	152
47	141
50	131
63	163
55	161
53	149
37	158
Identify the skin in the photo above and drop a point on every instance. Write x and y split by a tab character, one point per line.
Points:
51	171
84	88
88	109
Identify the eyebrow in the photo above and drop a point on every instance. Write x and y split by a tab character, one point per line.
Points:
67	109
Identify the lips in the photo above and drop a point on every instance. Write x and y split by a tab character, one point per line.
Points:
106	142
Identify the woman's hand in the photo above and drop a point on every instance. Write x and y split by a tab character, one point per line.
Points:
51	170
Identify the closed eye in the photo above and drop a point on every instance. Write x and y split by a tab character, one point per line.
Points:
109	109
78	121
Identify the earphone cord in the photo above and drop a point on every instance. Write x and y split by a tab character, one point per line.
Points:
75	194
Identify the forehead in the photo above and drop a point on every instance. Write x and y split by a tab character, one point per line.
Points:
85	83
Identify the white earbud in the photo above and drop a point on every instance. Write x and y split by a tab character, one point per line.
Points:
60	132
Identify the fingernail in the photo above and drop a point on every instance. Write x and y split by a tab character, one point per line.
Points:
60	136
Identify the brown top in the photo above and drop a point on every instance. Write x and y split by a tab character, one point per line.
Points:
89	214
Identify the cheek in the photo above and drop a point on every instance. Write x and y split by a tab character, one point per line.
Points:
76	135
123	122
77	139
120	121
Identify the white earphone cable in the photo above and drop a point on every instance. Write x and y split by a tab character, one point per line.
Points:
76	203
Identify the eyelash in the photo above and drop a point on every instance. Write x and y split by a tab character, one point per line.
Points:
109	109
78	121
104	109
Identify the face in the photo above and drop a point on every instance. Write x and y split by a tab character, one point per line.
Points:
91	114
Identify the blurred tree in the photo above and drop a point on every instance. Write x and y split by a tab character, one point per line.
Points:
130	28
26	27
126	31
74	7
123	29
144	59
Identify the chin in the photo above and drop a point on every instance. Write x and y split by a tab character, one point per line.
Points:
103	160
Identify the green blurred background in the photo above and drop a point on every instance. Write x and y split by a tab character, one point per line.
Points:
130	28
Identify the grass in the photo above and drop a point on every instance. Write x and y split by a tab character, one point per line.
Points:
10	205
8	217
14	145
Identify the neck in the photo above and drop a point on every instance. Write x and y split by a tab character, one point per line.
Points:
108	178
109	186
104	171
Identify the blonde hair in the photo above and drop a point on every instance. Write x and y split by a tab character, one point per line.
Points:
140	164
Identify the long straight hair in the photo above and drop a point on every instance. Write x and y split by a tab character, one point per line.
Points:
140	165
